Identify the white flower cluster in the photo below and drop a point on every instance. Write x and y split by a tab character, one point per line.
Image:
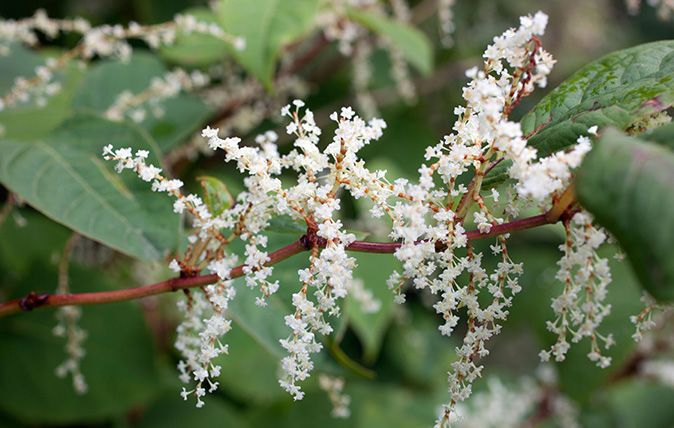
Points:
189	24
103	41
127	160
518	405
27	30
313	199
580	309
399	70
446	21
337	27
660	370
550	175
499	405
644	321
68	327
161	88
39	88
362	77
112	40
207	236
655	341
427	218
334	387
354	40
198	335
369	304
651	324
664	8
205	321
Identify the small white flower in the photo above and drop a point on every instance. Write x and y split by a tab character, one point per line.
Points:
174	266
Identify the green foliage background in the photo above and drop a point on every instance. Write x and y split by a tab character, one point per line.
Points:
394	361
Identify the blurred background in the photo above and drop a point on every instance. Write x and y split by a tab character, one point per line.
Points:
394	362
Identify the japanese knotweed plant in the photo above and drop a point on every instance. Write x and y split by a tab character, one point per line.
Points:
473	185
427	224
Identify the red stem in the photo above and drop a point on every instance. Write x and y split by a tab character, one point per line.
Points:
34	301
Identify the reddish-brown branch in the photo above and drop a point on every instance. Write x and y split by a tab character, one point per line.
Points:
34	301
499	229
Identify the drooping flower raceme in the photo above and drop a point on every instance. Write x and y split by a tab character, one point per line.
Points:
580	308
169	85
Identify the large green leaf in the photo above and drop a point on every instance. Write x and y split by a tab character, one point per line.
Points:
267	26
119	366
197	49
627	184
182	114
28	121
618	90
412	43
65	177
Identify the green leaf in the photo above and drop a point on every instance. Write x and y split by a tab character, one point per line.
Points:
287	225
66	178
626	183
182	114
374	270
119	365
173	411
373	405
249	370
40	238
265	325
641	403
29	121
216	196
412	43
388	406
196	49
617	90
663	135
267	26
19	61
418	350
